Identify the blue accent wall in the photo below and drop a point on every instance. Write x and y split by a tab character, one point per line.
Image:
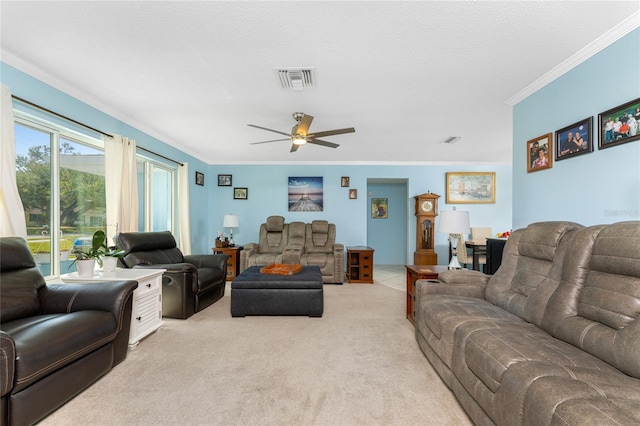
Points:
599	187
267	196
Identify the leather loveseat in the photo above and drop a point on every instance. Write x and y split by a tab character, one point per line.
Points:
307	244
552	338
190	282
56	339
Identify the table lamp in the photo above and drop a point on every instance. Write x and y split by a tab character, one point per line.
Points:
231	221
453	223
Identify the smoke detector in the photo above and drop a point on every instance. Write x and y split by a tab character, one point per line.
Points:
296	78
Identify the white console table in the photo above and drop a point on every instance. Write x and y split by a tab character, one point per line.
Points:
146	315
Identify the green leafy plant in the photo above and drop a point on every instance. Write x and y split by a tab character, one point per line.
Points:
97	250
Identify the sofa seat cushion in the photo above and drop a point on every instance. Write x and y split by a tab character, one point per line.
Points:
441	315
209	277
488	353
76	334
263	259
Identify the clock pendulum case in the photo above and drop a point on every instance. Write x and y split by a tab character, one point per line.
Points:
426	212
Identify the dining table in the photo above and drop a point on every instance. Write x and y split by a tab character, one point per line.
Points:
478	248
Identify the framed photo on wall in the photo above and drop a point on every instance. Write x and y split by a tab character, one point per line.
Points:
540	153
619	125
471	187
573	140
353	194
224	180
199	178
240	193
379	208
344	181
306	194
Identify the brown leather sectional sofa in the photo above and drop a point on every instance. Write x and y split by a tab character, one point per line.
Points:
553	338
57	339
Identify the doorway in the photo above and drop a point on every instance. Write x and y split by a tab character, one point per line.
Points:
387	220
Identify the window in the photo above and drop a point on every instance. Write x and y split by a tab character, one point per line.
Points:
60	176
60	168
157	183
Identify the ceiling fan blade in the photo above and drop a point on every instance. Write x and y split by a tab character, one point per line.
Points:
303	127
294	147
332	132
275	140
269	130
323	143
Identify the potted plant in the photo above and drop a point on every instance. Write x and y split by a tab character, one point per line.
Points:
110	259
86	258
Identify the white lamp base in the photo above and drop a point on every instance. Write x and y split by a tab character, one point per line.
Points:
454	264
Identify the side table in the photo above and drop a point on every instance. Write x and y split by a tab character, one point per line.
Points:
360	264
146	315
415	273
233	262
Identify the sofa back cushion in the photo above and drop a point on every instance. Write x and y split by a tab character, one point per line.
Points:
20	280
530	269
273	235
148	248
296	234
596	306
321	236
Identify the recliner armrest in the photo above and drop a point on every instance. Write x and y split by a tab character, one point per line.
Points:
292	254
7	362
207	260
456	282
104	296
170	267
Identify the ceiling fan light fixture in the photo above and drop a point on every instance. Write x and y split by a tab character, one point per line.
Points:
299	140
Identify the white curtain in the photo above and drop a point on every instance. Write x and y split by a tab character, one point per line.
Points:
184	223
12	219
121	185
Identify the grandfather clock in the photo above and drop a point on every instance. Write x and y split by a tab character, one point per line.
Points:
426	212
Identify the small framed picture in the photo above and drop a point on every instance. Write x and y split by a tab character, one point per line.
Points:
344	181
199	178
619	125
539	153
379	208
353	194
573	140
224	180
240	193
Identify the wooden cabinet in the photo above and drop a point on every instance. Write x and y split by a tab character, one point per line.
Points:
233	262
360	264
415	273
146	315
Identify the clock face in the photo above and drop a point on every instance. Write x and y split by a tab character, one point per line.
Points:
427	206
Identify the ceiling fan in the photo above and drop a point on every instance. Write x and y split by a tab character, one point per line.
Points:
300	133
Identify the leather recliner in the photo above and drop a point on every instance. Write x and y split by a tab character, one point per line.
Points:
190	283
55	339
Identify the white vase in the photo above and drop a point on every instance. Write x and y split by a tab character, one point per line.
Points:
85	268
109	263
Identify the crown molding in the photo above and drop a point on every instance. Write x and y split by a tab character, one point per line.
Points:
622	29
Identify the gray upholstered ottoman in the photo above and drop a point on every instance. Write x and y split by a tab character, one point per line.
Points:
254	293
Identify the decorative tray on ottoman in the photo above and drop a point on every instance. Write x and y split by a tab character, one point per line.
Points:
281	269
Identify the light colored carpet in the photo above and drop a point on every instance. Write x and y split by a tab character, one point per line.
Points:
357	365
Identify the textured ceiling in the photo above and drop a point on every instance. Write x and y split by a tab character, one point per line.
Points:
406	75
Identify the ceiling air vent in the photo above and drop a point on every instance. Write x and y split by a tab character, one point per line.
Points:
451	139
295	78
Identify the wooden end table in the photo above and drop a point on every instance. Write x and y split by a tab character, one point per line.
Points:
233	262
415	273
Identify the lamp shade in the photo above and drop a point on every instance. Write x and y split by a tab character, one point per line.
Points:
230	221
454	222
